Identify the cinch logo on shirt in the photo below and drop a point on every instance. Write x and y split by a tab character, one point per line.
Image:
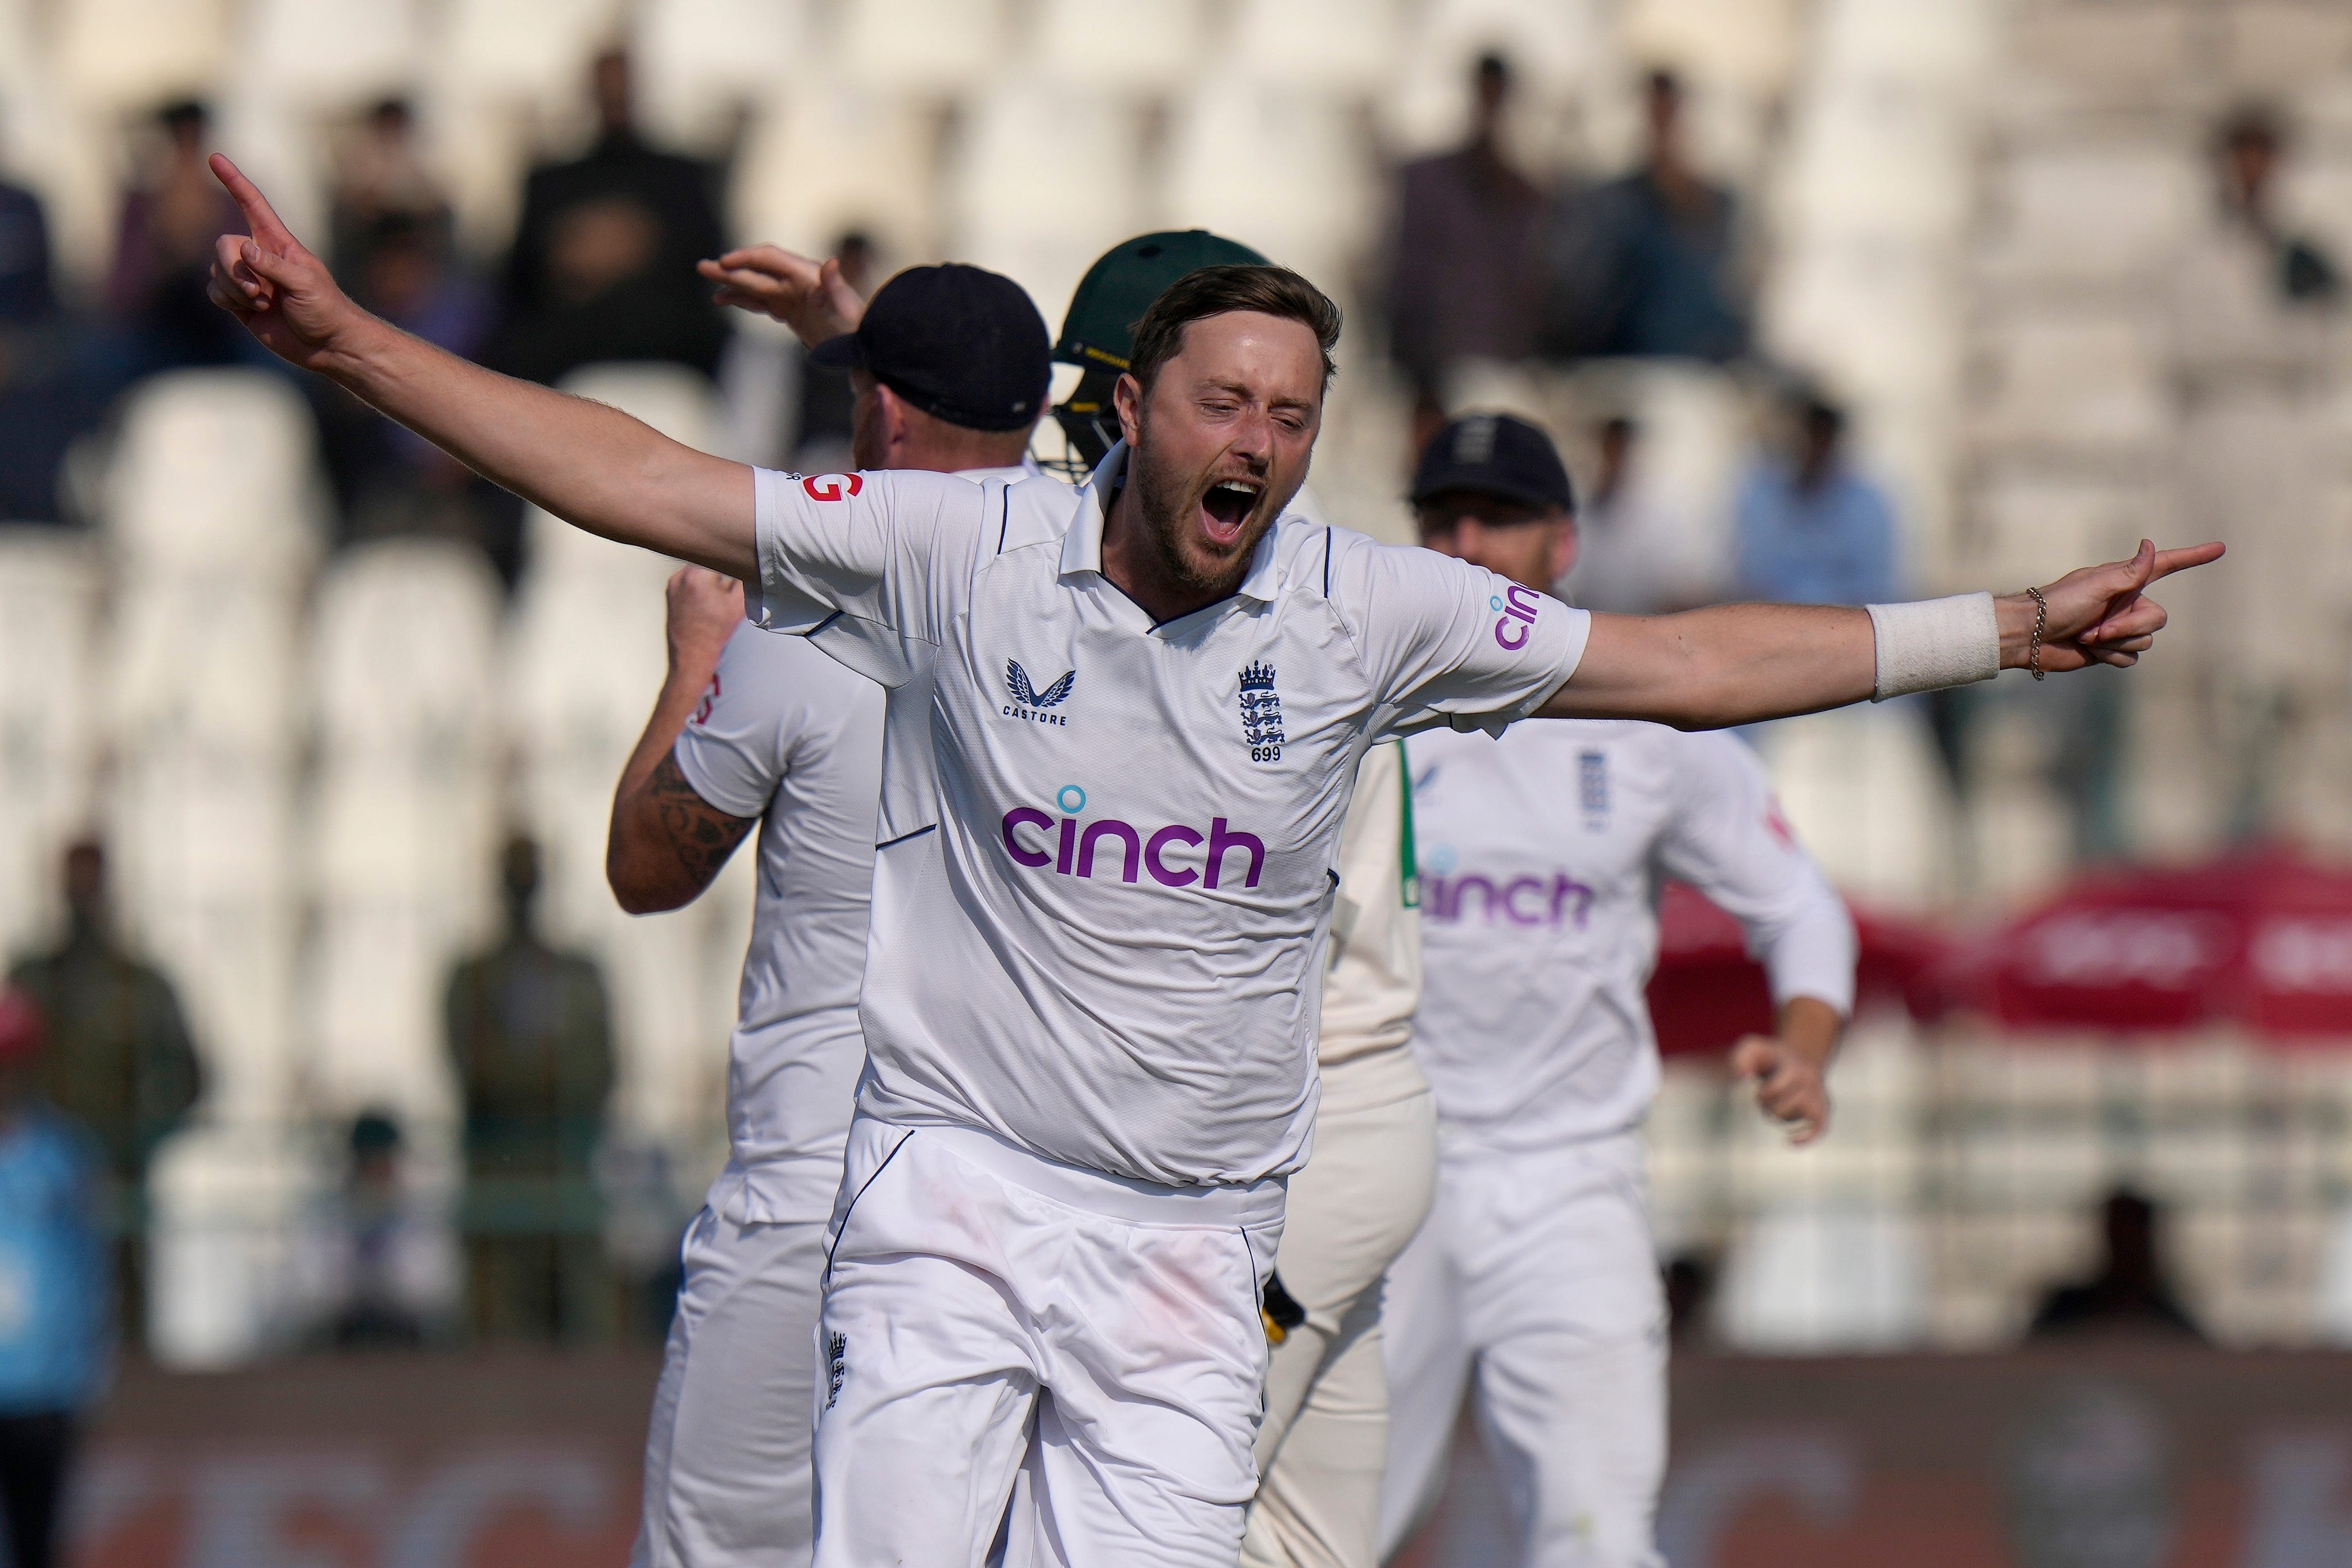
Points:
1518	607
832	487
1521	901
1073	847
1028	702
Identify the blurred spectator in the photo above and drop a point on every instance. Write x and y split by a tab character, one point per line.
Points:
163	257
120	1062
374	1262
1648	264
381	177
386	479
2257	337
54	1343
1808	530
41	406
27	299
820	444
1463	283
532	1039
1689	1280
602	266
2130	1294
1632	557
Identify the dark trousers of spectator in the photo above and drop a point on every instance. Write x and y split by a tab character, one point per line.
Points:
36	1452
552	1290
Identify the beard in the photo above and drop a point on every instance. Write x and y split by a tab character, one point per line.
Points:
1169	500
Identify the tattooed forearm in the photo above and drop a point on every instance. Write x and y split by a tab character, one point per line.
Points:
699	834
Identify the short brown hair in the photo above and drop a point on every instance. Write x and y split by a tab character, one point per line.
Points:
1216	291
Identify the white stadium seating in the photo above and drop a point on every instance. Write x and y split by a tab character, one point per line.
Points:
926	47
406	652
824	157
334	53
699	62
214	476
1117	46
126	55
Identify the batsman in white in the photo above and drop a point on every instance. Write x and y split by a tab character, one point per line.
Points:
1541	855
752	727
1090	989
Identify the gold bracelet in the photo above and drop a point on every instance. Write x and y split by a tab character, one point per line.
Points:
2040	621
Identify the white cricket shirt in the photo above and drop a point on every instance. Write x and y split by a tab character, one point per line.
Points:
1540	857
1106	944
790	737
1371	980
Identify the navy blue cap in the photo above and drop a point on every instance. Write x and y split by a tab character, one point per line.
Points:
1494	454
962	343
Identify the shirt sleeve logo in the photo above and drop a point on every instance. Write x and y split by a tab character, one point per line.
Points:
1031	703
1261	713
1519	606
833	487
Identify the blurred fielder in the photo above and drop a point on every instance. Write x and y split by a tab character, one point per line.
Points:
1536	1274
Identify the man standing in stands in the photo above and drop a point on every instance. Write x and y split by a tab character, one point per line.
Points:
530	1041
1090	1027
602	264
119	1059
948	368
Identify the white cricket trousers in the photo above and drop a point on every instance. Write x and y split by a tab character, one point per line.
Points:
1536	1277
990	1315
727	1450
1324	1440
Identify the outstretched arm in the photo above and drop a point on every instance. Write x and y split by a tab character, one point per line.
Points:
592	465
667	843
1736	664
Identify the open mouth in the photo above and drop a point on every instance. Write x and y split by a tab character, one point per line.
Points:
1226	508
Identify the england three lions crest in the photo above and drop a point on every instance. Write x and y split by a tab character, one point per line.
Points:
1261	714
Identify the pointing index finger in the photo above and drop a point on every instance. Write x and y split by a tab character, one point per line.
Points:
260	216
2171	560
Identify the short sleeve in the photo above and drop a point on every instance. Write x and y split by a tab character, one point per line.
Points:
890	549
1447	642
735	743
1727	839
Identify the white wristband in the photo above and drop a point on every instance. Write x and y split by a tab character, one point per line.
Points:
1930	643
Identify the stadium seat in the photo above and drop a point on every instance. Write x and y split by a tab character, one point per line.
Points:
2033	525
699	61
824	158
375	975
2077	379
421	832
926	47
330	54
1340	47
523	52
201	668
215	474
224	1199
48	694
1750	47
1563	52
1936	49
1876	161
1311	208
1042	181
1866	793
406	653
1822	1277
1119	45
129	55
2080	212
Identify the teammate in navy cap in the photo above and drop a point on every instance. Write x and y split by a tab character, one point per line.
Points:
1535	1275
753	730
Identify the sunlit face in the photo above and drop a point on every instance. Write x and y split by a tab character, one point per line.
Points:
1221	442
1531	547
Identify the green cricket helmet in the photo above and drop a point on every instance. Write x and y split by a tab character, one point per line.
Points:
1098	334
